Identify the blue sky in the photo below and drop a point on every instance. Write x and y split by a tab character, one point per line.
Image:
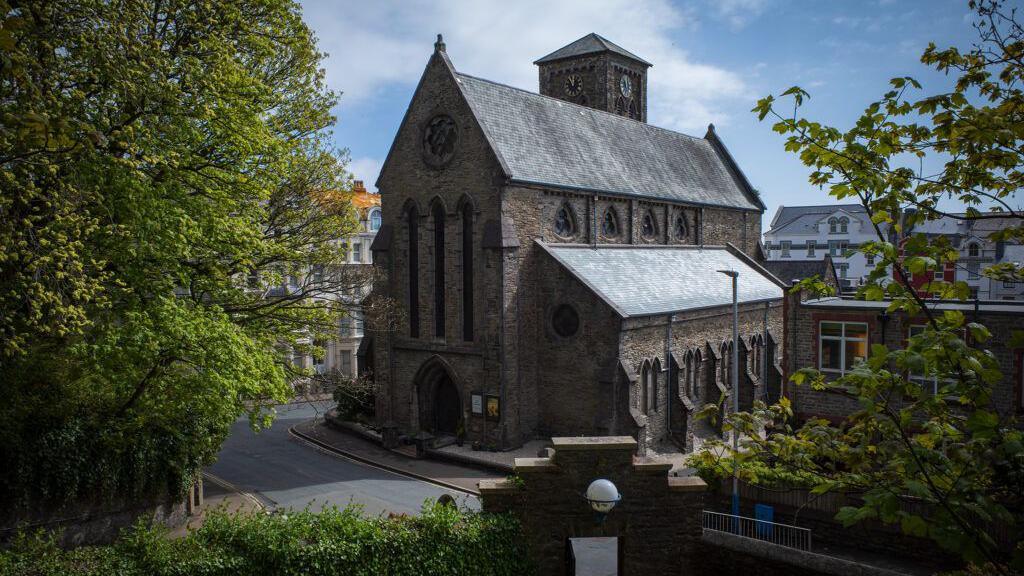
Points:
712	60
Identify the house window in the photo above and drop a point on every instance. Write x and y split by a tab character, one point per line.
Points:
345	363
565	222
610	223
842	268
972	250
972	270
841	345
680	226
923	380
357	252
319	357
1009	284
871	259
837	248
810	248
345	328
833	225
843	224
648	228
785	248
375	219
318	273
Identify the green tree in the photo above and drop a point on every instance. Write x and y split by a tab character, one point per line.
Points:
165	167
951	451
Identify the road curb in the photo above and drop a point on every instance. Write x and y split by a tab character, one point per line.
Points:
229	486
370	462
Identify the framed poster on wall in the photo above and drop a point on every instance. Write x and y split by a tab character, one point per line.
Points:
493	408
477	402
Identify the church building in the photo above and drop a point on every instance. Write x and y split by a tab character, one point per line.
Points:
557	260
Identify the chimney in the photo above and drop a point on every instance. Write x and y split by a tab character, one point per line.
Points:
357	187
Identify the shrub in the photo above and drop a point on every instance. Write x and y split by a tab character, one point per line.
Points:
442	541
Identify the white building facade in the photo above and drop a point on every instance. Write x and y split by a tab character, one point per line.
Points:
803	233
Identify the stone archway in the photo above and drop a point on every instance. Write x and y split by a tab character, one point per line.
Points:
440	403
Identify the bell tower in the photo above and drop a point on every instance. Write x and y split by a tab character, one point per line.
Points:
597	73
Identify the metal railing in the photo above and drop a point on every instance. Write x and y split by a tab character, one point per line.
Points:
780	534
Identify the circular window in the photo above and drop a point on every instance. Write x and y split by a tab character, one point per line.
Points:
565	321
439	138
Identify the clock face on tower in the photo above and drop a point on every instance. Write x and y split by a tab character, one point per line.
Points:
573	85
625	86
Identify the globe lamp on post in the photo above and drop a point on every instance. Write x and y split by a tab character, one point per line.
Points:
602	496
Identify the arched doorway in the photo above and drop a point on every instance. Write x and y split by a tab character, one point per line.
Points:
440	403
447	407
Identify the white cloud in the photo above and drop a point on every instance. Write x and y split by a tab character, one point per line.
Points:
377	45
738	13
366	169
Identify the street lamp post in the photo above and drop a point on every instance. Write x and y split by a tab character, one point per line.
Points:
735	387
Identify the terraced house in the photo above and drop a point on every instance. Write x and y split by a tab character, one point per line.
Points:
558	261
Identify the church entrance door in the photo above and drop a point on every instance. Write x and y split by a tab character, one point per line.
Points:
447	407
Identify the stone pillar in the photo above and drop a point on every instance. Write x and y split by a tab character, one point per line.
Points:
658	520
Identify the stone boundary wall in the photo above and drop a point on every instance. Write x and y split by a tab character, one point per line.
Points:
83	524
657	521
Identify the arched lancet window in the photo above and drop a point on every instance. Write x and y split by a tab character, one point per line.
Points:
610	223
688	373
679	227
634	113
645	378
565	222
439	271
698	373
726	371
649	226
833	225
620	105
375	219
467	272
413	232
843	223
972	250
655	381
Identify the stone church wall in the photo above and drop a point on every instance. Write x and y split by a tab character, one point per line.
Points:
644	339
406	180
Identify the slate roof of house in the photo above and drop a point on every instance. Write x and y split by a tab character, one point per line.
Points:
590	44
801	219
545	141
794	270
656	279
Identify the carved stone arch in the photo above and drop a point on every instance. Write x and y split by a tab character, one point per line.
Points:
655	384
643	394
463	201
439	396
437	200
411	204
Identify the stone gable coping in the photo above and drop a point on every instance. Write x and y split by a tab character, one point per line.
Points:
576	443
686	484
497	486
650	465
534	464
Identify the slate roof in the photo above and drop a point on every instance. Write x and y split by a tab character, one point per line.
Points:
647	280
794	270
801	219
545	141
590	44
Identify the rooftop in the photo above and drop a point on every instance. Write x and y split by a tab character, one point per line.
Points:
639	280
545	141
992	306
590	44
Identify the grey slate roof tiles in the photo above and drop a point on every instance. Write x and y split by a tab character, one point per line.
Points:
801	219
648	280
546	141
590	44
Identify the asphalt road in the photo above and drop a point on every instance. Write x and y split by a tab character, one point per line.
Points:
285	472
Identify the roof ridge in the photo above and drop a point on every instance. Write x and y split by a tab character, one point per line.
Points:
580	106
616	246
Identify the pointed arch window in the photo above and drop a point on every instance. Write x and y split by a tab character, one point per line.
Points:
467	272
439	271
413	233
649	226
972	250
698	373
610	223
679	227
565	222
645	378
726	363
652	394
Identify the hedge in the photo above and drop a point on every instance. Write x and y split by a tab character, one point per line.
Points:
441	541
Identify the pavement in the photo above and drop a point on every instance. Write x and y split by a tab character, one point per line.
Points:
282	470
